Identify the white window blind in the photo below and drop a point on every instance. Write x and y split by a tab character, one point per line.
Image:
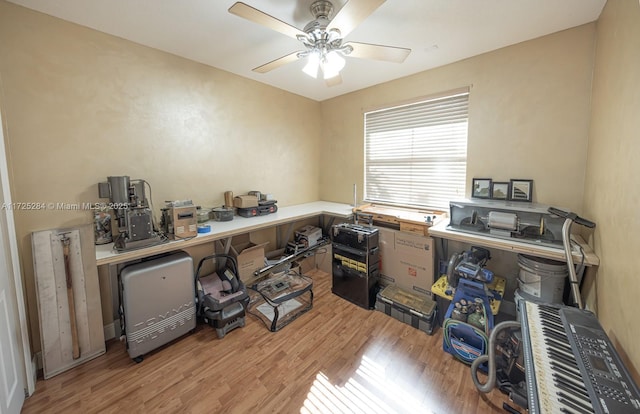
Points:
416	154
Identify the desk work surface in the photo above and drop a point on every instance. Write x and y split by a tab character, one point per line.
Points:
105	254
441	230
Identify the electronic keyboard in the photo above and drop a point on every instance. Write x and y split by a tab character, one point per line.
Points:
571	365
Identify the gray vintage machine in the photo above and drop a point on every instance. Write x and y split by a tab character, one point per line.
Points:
134	217
526	222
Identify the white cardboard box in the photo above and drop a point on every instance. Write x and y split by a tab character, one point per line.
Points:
406	260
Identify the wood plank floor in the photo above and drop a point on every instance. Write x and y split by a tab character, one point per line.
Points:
336	358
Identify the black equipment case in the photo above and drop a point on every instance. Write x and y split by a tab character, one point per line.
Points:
355	263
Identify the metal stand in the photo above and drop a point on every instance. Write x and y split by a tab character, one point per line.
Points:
566	242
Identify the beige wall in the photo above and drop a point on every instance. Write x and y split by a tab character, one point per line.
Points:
612	194
79	105
529	110
528	117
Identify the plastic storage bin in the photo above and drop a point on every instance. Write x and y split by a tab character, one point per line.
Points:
408	307
279	300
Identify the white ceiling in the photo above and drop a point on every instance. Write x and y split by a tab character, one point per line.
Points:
438	32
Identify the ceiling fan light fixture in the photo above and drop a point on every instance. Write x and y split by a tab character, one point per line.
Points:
332	63
313	62
323	37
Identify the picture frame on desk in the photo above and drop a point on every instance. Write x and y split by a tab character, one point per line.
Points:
500	190
481	188
520	190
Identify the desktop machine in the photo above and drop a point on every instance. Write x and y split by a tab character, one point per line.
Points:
133	214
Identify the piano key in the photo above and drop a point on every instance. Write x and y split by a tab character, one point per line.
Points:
560	336
566	410
563	369
574	389
584	397
553	344
556	355
574	407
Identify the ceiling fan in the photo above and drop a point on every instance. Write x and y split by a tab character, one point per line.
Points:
323	38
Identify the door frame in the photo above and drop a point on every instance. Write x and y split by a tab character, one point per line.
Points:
14	268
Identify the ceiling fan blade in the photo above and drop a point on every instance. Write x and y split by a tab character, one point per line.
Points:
247	12
378	52
274	64
352	14
336	80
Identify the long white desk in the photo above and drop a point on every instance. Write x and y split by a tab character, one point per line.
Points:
591	260
108	259
105	254
440	230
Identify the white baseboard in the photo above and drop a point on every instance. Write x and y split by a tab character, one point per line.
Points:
110	331
36	361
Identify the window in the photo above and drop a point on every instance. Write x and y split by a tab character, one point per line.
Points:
416	154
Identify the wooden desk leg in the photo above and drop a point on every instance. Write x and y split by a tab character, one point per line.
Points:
283	243
589	289
226	244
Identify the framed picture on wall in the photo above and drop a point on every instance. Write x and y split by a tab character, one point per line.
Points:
521	190
481	188
500	190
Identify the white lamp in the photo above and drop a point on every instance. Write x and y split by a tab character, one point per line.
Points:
332	64
311	68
